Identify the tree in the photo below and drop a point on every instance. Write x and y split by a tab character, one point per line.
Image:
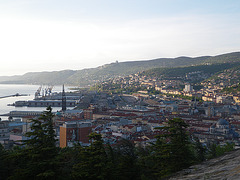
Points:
92	160
200	150
145	163
212	151
161	158
218	150
173	148
126	160
67	157
3	163
180	144
39	153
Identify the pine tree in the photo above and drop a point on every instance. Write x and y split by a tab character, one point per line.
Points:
212	151
3	163
126	158
200	150
179	144
39	153
92	160
173	148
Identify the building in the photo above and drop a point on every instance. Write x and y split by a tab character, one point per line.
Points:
46	103
74	132
88	114
223	128
188	88
4	132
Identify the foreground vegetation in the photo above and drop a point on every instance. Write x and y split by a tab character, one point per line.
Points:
39	158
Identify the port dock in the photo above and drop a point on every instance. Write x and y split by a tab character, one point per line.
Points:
14	95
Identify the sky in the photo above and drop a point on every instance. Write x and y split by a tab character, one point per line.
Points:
53	35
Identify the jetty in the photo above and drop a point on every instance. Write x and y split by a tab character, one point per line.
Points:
14	95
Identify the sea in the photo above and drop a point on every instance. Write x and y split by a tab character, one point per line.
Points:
29	90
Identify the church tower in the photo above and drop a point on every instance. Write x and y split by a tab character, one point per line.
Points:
64	103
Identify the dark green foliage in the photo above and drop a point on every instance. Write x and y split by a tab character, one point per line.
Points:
200	150
145	163
67	158
38	158
217	150
126	157
161	159
173	148
197	87
3	163
92	160
212	151
99	162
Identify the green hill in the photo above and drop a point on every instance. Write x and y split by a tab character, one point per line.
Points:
224	58
182	71
90	76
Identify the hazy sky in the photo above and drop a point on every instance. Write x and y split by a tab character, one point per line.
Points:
48	35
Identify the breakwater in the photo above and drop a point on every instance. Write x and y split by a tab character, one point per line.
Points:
14	95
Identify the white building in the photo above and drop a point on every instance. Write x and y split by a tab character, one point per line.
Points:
188	88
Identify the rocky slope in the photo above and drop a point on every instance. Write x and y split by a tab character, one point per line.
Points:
226	167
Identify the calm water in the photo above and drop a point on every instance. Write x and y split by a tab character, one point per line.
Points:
10	89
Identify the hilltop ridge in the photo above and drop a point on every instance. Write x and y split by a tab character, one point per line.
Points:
86	77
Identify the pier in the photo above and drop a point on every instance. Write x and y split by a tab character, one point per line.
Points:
14	95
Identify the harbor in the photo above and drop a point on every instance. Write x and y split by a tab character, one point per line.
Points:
44	97
27	93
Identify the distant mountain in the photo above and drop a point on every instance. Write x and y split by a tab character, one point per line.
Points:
90	76
51	78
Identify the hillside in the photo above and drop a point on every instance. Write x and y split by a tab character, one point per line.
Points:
224	167
199	70
90	76
229	78
232	90
224	58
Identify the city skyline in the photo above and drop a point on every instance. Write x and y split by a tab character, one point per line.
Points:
58	35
